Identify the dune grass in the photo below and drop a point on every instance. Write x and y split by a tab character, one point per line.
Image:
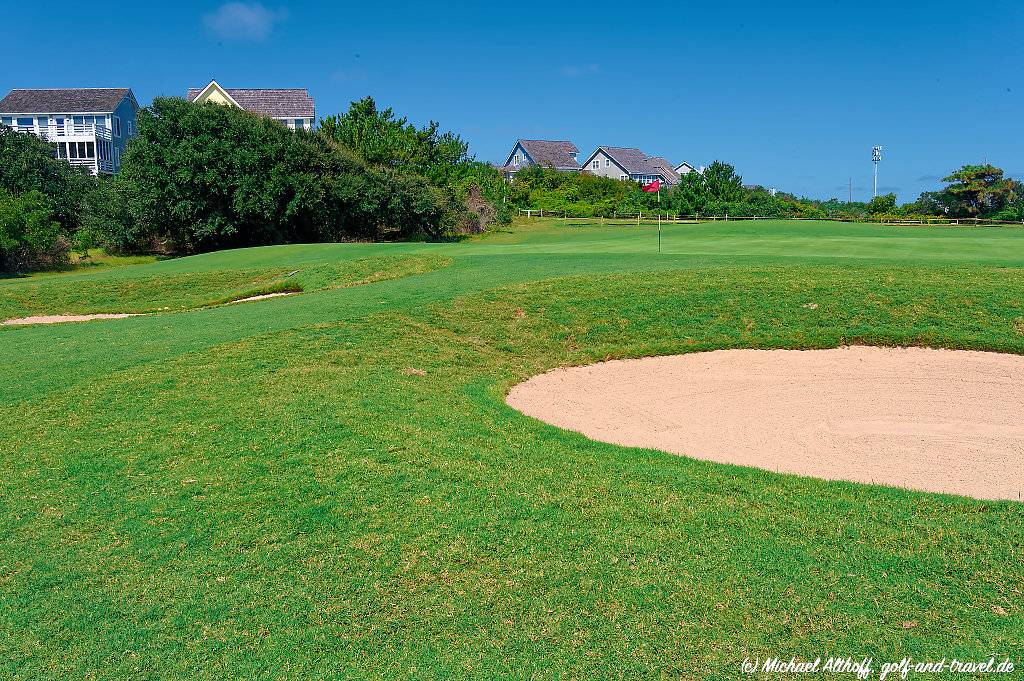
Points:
330	485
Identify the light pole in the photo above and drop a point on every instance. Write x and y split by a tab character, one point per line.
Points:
876	156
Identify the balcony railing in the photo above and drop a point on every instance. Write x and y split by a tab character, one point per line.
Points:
58	132
102	165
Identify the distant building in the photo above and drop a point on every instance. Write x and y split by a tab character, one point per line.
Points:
684	168
559	155
293	107
90	126
627	163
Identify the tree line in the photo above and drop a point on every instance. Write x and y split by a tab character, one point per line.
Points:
981	191
201	177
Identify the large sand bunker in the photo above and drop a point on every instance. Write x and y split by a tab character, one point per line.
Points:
935	420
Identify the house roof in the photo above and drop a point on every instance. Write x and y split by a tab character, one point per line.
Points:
276	103
65	100
666	169
556	154
635	162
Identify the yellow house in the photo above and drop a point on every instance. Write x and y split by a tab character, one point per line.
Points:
293	107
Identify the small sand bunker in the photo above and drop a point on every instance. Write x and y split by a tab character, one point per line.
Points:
934	420
59	318
263	296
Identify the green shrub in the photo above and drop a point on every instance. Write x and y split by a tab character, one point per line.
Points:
27	163
203	176
31	238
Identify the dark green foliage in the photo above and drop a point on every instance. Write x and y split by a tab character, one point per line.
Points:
978	191
204	177
881	205
723	184
27	163
383	140
30	235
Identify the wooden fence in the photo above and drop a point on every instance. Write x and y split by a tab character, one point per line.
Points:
672	217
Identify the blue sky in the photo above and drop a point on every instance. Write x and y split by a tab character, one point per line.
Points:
794	94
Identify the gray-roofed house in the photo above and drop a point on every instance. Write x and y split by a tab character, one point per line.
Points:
684	168
627	163
293	107
560	155
90	126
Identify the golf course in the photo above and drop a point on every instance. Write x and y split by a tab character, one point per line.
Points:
329	483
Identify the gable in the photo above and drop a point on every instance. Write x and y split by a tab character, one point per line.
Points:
517	149
601	155
213	93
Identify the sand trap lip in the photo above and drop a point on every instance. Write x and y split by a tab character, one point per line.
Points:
61	318
933	420
262	296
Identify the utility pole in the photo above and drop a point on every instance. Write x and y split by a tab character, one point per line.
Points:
876	156
851	191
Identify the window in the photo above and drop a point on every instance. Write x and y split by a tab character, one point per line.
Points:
117	126
25	122
623	177
607	163
7	120
595	165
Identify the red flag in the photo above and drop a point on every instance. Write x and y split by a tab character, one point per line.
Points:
652	187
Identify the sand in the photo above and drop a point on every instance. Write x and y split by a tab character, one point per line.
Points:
263	296
60	318
934	420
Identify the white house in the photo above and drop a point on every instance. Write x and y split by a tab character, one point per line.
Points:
90	126
292	107
626	163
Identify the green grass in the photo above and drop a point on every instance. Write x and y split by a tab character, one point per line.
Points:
269	489
154	289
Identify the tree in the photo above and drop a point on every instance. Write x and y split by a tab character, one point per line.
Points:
691	195
882	205
30	235
382	139
27	163
722	182
205	176
978	191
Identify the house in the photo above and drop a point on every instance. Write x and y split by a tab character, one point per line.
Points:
684	168
90	126
625	163
293	107
559	155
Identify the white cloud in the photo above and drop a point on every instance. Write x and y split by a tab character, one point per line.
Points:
243	21
577	70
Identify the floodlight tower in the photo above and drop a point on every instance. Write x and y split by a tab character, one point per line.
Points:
876	156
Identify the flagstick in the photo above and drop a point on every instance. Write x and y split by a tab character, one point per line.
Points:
659	218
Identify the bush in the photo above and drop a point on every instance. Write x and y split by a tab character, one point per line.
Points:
205	177
31	238
27	163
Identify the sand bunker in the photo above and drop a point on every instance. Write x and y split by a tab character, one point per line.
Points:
263	296
935	420
59	318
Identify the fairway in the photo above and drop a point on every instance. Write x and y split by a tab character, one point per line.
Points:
331	485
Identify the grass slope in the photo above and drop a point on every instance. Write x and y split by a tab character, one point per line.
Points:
331	484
